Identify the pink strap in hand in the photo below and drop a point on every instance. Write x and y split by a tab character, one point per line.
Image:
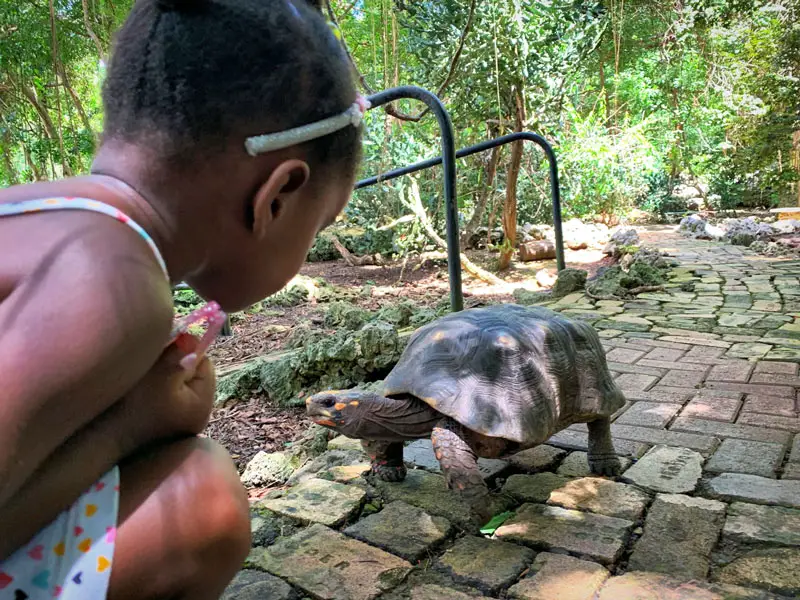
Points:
214	316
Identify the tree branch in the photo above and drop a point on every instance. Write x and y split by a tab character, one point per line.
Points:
414	203
88	25
390	108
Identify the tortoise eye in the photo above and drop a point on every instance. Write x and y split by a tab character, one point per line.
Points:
328	402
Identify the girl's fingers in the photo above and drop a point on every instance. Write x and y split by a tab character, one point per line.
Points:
186	343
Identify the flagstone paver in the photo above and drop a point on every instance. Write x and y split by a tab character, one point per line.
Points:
679	534
711	378
746	456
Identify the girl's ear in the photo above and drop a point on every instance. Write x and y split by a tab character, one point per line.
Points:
267	207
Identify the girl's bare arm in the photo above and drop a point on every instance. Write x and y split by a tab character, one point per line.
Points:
74	338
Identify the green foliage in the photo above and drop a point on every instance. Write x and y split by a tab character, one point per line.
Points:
359	241
186	301
632	96
346	316
647	269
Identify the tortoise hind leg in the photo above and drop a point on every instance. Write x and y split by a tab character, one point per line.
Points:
386	459
460	467
602	457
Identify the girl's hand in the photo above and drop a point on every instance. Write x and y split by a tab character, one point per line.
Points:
172	399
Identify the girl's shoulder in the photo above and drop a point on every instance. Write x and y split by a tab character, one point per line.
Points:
80	256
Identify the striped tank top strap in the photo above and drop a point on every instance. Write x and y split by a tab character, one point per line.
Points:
70	203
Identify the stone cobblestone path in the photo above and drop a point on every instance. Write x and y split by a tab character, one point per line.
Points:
708	507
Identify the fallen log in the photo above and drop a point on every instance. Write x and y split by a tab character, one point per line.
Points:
414	203
353	260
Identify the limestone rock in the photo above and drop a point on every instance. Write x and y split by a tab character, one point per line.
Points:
751	488
773	569
317	501
255	585
488	565
437	592
267	526
679	534
625	236
539	458
342	442
323	466
541	527
667	469
746	456
560	577
601	496
569	281
329	565
401	529
753	524
429	492
533	488
654	586
268	468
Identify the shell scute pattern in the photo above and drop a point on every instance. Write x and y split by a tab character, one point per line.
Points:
508	371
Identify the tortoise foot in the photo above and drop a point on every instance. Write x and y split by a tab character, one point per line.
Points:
389	472
605	465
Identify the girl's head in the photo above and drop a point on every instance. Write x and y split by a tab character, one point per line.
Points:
188	83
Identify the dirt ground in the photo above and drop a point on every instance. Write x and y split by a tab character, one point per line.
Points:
255	424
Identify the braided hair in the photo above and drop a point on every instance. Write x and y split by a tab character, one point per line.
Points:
188	76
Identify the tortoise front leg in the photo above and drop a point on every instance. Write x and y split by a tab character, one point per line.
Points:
460	467
386	459
602	457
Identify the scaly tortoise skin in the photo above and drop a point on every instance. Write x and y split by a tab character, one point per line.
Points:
484	382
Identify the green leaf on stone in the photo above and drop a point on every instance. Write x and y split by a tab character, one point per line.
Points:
495	522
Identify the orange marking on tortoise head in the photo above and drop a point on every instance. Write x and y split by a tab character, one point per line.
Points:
339	405
354	403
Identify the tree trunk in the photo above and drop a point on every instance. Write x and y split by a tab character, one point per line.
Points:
606	96
31	165
796	161
487	191
677	147
33	99
76	101
65	168
510	205
13	176
88	25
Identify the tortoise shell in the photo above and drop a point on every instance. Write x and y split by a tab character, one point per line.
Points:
508	371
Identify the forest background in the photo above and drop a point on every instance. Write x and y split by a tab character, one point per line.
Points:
638	98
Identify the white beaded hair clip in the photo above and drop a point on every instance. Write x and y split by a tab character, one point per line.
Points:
269	142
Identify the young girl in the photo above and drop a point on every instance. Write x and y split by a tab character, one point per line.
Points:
231	138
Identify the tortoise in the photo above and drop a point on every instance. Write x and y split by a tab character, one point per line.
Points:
484	382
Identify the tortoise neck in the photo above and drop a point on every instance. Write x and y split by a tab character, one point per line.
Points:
401	417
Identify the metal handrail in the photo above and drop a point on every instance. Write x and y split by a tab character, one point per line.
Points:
448	160
555	191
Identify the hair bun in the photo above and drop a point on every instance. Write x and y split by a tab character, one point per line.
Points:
184	6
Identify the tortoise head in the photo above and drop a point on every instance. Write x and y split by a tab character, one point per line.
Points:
370	416
342	410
